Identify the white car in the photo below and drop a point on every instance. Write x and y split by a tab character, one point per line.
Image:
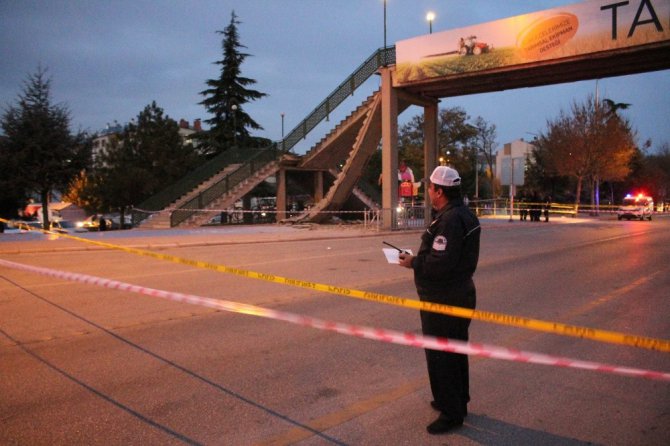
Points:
638	207
92	223
63	226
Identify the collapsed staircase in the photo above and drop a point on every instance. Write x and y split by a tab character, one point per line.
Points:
365	129
352	143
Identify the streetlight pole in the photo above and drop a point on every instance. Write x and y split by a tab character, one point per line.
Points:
477	181
430	17
476	174
596	181
511	186
384	24
234	109
282	125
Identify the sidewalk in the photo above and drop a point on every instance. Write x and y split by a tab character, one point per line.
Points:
166	238
231	234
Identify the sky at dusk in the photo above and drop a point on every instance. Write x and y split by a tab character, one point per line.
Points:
109	59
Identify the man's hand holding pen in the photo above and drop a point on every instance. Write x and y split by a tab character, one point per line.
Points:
405	259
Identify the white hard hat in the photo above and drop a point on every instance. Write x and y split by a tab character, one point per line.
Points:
445	176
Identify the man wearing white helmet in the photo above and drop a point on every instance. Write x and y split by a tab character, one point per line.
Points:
443	270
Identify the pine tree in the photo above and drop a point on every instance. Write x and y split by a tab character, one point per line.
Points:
148	156
226	96
13	189
45	155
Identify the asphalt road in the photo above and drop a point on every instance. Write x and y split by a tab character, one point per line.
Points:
81	364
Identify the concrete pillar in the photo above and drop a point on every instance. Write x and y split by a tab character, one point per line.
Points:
281	194
389	148
318	186
430	152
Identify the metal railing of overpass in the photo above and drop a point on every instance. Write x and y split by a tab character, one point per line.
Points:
380	58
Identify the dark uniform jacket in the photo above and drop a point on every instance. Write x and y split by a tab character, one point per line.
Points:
449	250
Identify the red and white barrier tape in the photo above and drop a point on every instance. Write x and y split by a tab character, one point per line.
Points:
377	334
230	211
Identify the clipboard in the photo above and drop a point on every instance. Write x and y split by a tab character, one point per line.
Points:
392	254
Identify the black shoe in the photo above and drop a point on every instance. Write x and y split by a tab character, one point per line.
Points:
443	425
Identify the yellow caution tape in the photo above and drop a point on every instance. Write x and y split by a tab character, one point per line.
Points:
485	316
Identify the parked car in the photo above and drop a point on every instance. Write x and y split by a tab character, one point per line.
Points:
92	223
115	220
265	209
63	226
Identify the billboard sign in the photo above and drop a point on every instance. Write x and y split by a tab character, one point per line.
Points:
573	30
512	170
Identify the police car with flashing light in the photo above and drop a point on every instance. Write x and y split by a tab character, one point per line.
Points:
636	206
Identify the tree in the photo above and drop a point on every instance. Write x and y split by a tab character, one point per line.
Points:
148	156
590	143
614	147
83	192
565	149
226	96
410	145
485	144
541	178
456	140
454	132
13	189
654	175
46	156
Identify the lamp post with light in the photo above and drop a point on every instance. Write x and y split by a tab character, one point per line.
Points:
430	17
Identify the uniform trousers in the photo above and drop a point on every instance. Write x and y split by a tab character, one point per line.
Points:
449	372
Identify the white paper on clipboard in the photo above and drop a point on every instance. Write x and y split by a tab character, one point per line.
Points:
392	255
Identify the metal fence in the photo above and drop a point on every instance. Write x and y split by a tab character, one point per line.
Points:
404	217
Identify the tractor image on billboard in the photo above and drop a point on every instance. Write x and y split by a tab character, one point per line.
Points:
471	47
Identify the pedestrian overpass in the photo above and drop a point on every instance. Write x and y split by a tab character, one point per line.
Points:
536	49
